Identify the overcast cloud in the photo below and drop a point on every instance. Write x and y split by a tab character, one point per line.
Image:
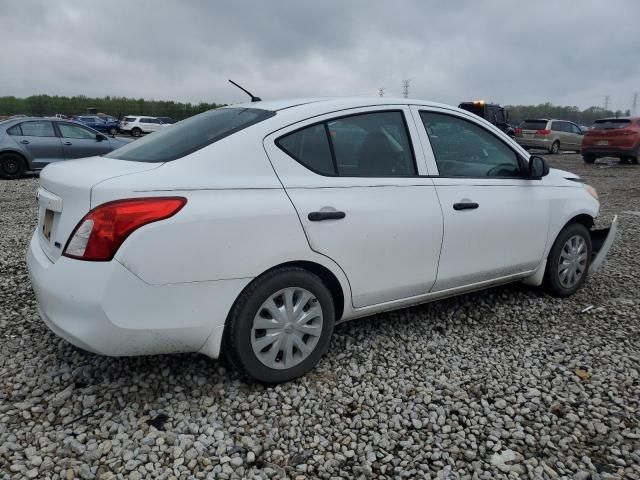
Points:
566	52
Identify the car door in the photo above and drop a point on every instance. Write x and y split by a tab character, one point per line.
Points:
148	124
559	131
355	182
576	135
39	139
80	142
495	218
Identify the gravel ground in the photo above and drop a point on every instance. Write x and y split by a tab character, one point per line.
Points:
506	383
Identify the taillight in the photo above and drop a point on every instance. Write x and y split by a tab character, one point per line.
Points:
543	131
101	232
518	131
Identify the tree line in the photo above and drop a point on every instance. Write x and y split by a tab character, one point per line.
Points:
47	105
517	113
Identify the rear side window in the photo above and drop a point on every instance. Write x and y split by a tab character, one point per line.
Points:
15	130
310	147
190	135
129	119
37	129
534	125
149	120
364	145
611	123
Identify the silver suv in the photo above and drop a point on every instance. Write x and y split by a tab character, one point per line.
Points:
551	135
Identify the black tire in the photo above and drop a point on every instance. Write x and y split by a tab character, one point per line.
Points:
136	132
12	166
588	158
552	274
113	131
555	148
237	346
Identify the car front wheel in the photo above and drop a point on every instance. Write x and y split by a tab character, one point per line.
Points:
568	261
113	131
555	148
280	326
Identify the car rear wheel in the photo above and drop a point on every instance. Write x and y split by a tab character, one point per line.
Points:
569	260
136	132
555	148
12	166
588	158
280	325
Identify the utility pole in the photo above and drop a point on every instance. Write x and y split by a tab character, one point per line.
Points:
634	104
405	87
381	92
607	99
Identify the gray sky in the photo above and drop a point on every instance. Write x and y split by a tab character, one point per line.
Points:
566	52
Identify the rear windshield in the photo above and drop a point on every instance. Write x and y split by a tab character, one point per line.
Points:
610	123
534	125
190	135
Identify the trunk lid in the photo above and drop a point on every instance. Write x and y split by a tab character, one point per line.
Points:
64	196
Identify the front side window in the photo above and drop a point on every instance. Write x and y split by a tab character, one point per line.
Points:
464	149
37	129
74	131
190	135
363	145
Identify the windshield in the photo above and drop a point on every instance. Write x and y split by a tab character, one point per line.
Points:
610	123
190	135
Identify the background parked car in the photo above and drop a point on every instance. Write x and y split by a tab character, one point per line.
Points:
107	124
32	143
549	134
136	125
612	137
167	120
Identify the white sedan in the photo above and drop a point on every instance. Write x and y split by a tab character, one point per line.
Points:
251	230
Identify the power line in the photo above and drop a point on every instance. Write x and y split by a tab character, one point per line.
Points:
405	87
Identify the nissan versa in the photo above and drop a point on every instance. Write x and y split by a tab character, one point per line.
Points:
251	230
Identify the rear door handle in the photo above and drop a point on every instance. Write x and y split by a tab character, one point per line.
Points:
330	215
26	142
465	206
68	143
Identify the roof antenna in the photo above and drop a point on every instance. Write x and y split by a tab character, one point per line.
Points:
253	98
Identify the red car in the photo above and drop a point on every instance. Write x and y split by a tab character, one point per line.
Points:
612	137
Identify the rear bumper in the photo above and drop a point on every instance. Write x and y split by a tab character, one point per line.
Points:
601	242
608	151
544	143
104	308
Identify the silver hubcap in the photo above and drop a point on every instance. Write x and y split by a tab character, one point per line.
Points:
573	261
286	328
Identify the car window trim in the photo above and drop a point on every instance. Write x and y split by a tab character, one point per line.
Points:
333	158
522	162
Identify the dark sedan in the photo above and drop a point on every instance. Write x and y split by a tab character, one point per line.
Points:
32	143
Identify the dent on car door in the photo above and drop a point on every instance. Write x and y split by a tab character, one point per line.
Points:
79	142
354	182
39	140
495	219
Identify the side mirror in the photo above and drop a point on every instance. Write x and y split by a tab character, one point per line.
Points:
100	137
538	167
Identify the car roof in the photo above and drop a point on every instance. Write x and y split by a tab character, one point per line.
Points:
332	103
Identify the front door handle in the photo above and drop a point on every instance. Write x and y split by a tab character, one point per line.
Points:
68	143
26	142
329	215
465	206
